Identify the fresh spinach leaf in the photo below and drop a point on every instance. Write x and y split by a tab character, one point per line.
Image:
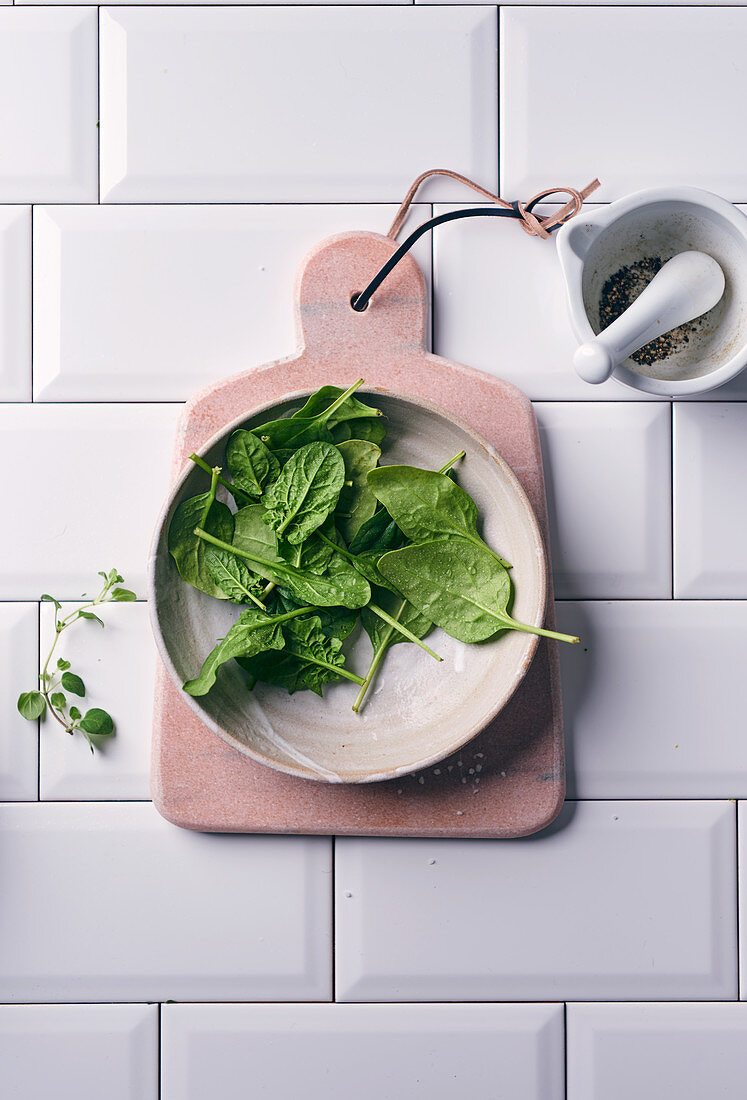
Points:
250	463
356	503
327	402
427	505
305	492
372	429
380	532
234	578
186	549
253	632
350	590
297	430
460	586
311	659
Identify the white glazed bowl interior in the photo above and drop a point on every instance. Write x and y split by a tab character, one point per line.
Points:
418	711
649	226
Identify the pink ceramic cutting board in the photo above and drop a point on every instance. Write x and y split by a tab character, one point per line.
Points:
509	781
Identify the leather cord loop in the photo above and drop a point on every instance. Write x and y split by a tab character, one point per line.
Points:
536	225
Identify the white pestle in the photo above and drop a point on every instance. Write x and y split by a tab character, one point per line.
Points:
685	287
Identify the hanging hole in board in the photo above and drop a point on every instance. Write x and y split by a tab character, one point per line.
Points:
354	298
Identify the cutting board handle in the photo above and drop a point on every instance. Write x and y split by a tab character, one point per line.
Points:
336	270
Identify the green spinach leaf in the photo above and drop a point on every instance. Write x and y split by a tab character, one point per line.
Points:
305	492
327	402
250	463
427	505
253	632
232	576
297	430
460	586
187	550
350	590
357	502
372	429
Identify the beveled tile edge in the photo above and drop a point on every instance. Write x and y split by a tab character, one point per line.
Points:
15	293
13	788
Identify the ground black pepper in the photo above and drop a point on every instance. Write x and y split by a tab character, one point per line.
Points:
621	290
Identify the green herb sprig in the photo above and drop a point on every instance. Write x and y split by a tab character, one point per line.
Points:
50	699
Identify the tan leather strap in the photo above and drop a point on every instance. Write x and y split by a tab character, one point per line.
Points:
537	225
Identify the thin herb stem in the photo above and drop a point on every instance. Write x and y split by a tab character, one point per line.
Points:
233	489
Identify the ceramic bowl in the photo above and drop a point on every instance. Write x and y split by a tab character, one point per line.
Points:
418	711
660	222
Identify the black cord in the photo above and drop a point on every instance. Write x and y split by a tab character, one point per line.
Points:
360	301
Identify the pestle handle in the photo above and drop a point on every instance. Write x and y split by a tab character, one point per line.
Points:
685	287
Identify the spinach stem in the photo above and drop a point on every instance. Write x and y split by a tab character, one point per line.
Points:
233	489
445	469
277	566
339	669
377	659
513	625
403	630
324	417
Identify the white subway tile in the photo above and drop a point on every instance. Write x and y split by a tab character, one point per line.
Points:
616	901
370	1051
19	672
117	665
613	103
85	484
15	303
294	104
107	902
79	1052
710	508
150	303
49	85
638	722
608	474
656	1051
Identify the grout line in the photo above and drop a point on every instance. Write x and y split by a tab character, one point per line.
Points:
38	720
98	105
739	945
31	319
499	166
671	499
334	919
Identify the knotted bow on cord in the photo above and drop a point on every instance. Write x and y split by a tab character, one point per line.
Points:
536	225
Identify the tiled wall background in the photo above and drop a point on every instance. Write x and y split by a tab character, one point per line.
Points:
163	169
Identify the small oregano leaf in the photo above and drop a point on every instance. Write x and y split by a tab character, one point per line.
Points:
31	705
73	683
97	722
62	664
123	595
46	598
90	615
59	701
74	713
